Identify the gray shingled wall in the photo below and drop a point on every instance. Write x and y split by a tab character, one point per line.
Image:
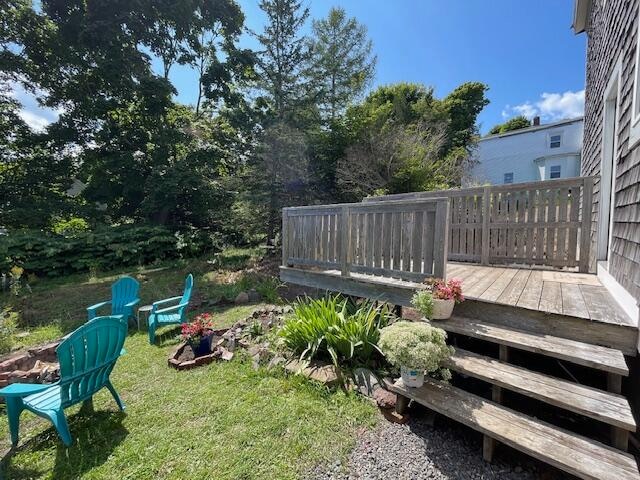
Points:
612	31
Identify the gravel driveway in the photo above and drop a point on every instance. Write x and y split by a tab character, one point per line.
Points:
418	451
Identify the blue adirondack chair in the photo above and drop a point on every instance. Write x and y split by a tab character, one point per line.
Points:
170	315
124	297
86	357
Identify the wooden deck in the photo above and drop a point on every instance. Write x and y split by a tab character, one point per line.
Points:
565	293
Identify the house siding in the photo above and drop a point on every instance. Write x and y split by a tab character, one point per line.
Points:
612	31
527	154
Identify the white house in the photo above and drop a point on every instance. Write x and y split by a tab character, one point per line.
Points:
539	152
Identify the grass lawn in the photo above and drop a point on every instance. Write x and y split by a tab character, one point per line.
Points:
224	420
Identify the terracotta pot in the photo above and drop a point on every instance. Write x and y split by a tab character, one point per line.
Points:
411	377
442	309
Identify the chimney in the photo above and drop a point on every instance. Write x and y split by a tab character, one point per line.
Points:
536	121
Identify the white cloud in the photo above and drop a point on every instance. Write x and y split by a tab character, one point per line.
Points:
34	115
550	106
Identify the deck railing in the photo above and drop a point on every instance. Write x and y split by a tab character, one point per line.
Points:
401	239
537	223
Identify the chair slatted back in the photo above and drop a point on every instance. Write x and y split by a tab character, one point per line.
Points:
188	287
123	291
88	356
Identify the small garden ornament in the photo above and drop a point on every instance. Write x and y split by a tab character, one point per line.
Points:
415	348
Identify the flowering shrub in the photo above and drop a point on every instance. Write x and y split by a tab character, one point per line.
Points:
449	290
415	345
200	327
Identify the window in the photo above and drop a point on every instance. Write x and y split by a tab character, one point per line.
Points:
508	177
554	171
555	141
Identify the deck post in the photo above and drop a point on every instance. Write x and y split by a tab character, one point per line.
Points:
285	237
486	209
345	240
585	229
441	238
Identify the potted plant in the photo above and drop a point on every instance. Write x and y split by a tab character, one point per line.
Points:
415	348
422	301
445	295
198	334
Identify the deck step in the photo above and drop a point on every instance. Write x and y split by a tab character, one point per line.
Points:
593	356
578	455
591	402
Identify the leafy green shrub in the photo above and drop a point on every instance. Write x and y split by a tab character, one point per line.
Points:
103	249
335	328
268	289
7	329
422	300
70	227
416	345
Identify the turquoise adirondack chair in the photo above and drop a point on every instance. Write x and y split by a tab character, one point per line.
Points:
86	357
124	297
170	315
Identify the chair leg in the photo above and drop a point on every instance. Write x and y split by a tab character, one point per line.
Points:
115	395
14	409
152	330
60	422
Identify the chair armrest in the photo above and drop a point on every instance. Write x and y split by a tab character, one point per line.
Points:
171	309
23	389
98	305
132	303
155	305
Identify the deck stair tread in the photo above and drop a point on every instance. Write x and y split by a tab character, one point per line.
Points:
593	356
578	455
600	405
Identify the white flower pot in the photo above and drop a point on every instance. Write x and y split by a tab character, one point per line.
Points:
411	377
442	309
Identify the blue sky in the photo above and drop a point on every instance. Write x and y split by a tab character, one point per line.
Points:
525	51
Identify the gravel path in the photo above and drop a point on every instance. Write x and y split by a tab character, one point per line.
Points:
417	451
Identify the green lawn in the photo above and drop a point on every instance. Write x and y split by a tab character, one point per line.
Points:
224	420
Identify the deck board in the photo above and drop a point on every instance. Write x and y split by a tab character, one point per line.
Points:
565	293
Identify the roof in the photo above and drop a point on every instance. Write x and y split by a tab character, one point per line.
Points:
533	128
580	15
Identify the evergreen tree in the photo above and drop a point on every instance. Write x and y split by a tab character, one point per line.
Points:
284	53
342	64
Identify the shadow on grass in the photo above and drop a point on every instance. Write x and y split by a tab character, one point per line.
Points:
95	436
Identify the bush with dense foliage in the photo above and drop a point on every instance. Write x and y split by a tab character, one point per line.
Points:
416	345
53	255
334	327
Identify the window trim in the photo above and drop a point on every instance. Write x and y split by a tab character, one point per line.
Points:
551	167
634	130
554	134
504	178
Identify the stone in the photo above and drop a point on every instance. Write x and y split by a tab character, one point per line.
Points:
394	417
384	398
275	361
242	298
226	354
315	370
254	296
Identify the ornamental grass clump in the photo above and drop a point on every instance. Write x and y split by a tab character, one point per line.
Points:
337	329
416	346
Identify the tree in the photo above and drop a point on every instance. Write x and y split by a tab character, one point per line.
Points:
280	62
120	128
425	142
341	65
281	173
516	123
402	158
